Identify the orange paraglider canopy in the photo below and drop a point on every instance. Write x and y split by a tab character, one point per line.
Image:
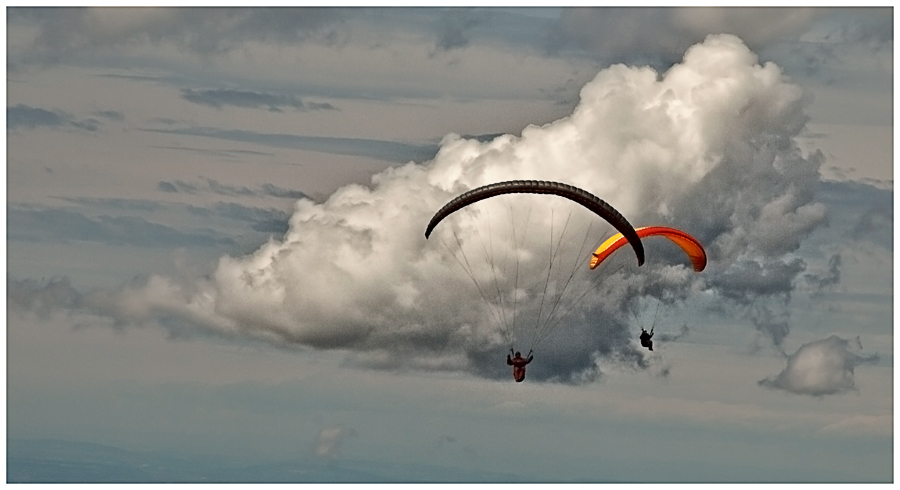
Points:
689	244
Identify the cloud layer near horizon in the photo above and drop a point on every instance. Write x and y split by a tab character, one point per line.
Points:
707	147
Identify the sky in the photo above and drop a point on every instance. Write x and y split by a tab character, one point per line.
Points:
217	267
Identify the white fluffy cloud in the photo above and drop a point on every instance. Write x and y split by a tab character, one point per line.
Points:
707	147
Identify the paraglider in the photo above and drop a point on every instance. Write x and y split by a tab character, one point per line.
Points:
689	244
518	363
645	338
507	292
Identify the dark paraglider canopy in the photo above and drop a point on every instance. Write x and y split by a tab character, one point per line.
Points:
580	196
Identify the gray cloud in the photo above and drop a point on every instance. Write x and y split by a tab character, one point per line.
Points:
613	33
67	33
746	281
111	115
230	154
616	33
861	212
228	190
825	282
42	298
872	26
260	219
382	150
453	26
760	292
275	191
263	220
219	98
176	186
23	116
876	219
212	185
115	203
27	223
823	367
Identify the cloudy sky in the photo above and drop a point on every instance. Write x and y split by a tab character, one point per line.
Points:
216	250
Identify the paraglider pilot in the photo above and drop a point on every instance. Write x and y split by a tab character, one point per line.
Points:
518	363
645	338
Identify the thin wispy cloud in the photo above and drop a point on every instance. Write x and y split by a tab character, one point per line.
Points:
111	115
378	149
220	98
123	204
76	32
40	224
215	187
230	154
22	116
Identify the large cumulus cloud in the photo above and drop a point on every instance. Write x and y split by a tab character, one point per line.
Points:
707	147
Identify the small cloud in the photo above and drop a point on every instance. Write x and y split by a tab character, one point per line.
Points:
823	367
227	190
166	187
320	106
111	115
177	186
275	191
329	441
